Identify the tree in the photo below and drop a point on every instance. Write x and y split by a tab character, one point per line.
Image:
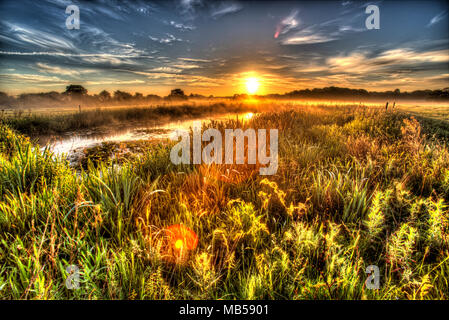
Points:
75	90
153	97
177	94
122	95
3	97
104	96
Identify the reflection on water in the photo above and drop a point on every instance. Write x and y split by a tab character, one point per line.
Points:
72	141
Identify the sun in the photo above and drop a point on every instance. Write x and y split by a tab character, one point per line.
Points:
252	84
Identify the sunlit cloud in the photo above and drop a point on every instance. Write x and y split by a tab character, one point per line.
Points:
166	70
29	78
161	45
194	60
58	70
114	82
307	38
185	66
361	62
288	23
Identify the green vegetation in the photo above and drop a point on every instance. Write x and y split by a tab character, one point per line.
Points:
34	124
354	188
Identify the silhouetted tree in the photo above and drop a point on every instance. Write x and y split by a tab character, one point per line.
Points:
4	98
75	90
153	97
104	96
177	94
122	95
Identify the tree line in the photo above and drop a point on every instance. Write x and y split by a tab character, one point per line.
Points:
77	94
343	93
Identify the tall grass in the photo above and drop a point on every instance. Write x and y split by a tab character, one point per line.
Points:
354	188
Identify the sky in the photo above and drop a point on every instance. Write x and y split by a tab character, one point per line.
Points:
212	47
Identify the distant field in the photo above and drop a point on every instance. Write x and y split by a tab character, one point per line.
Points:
440	109
49	121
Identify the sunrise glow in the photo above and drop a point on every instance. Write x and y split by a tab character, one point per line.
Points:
252	84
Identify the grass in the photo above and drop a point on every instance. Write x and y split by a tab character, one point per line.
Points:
34	124
354	188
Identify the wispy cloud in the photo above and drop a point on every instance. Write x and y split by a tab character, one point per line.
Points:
288	23
181	26
29	78
292	31
194	59
387	61
169	38
186	66
55	69
188	7
166	70
114	82
437	18
225	8
37	38
308	36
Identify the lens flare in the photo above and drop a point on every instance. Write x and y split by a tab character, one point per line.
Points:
181	237
178	244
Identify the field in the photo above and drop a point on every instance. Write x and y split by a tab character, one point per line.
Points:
356	186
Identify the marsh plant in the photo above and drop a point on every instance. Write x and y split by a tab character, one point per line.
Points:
355	187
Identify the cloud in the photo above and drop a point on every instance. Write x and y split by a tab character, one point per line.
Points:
37	38
437	18
64	54
89	60
166	70
100	41
29	78
386	62
288	23
188	7
114	82
182	27
326	31
168	39
186	66
89	44
307	36
54	69
225	8
194	60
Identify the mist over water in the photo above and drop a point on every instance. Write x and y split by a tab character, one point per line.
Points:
72	141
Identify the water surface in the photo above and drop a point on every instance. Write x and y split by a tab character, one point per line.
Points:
72	142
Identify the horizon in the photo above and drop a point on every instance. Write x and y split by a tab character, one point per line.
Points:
215	48
188	94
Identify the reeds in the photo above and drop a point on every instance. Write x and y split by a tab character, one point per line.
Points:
353	189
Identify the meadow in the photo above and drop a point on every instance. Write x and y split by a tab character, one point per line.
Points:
356	186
